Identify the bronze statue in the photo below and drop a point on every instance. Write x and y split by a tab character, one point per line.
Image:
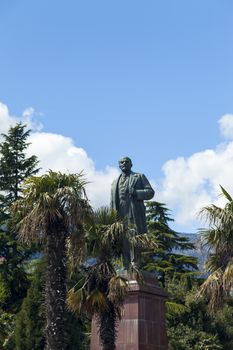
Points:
128	192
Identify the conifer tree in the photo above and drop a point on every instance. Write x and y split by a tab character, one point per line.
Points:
15	166
168	259
30	321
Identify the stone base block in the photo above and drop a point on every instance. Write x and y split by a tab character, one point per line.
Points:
143	319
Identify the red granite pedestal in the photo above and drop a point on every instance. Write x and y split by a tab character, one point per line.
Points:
143	322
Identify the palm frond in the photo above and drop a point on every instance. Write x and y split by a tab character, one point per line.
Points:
96	302
145	241
226	194
118	289
228	276
76	299
105	216
213	290
52	198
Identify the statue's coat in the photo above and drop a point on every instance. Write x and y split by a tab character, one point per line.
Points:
143	191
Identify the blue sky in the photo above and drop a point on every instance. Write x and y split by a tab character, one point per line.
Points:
148	79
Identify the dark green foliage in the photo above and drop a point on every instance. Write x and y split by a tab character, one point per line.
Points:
12	273
223	323
15	167
188	324
192	327
7	326
78	332
168	259
183	337
30	321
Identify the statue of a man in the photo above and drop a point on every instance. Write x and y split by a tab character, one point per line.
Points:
128	192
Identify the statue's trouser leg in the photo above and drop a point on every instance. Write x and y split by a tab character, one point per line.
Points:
126	254
131	254
136	256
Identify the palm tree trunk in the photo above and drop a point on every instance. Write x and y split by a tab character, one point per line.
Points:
107	329
55	290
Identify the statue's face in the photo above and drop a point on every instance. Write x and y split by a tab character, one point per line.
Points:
125	165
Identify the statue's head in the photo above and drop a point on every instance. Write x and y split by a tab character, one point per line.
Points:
125	164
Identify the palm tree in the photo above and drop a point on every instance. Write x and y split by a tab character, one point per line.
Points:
53	209
102	290
218	239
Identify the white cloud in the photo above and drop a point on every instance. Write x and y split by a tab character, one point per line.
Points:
59	153
191	183
187	184
5	119
226	125
28	117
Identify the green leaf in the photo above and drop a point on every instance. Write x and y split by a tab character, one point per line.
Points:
226	194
